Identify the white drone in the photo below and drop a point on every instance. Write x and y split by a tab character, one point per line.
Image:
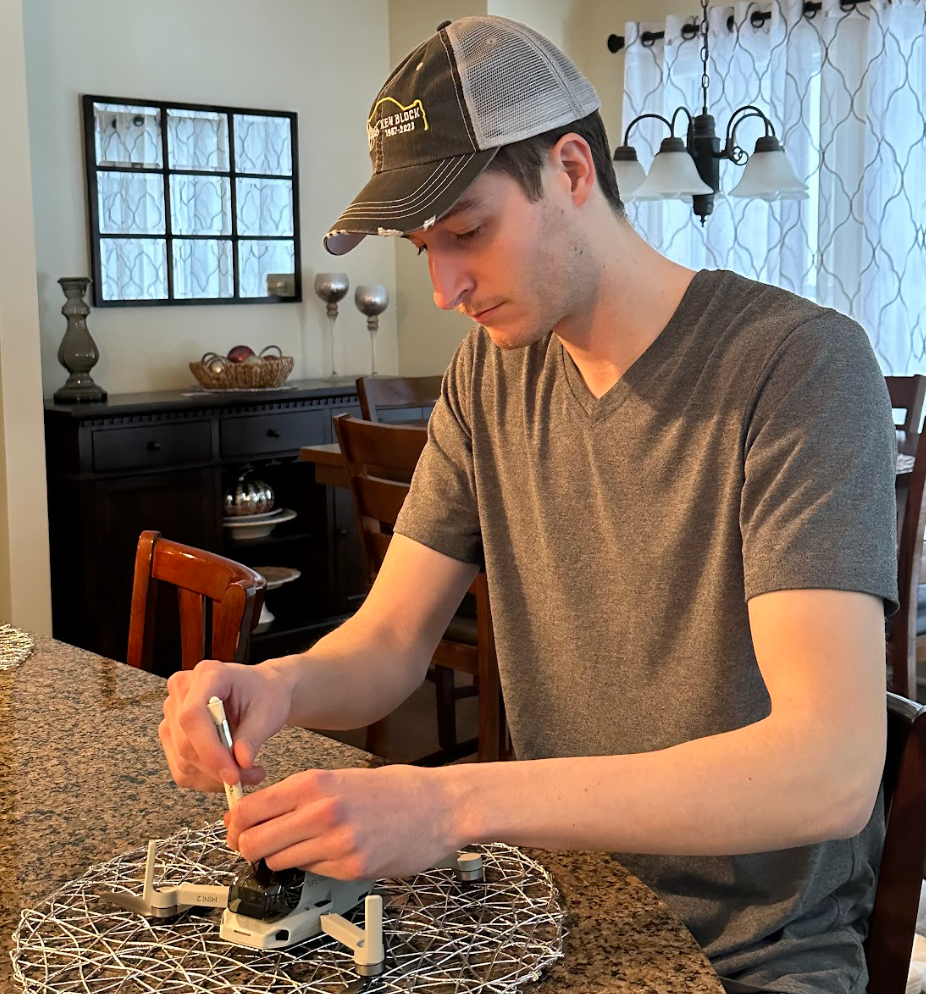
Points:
264	909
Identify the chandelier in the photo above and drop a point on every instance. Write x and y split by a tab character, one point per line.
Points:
690	166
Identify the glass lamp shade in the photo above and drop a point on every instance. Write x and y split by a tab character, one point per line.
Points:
630	174
673	175
768	175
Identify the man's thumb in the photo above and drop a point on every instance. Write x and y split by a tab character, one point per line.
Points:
245	752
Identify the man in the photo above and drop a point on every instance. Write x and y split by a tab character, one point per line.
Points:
681	486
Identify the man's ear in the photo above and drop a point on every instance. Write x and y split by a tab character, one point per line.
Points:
571	157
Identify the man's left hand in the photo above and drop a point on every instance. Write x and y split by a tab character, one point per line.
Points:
349	824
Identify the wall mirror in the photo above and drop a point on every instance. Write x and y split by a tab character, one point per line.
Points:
190	204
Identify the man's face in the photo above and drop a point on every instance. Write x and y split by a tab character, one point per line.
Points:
510	264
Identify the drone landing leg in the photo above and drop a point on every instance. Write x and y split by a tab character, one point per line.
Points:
366	943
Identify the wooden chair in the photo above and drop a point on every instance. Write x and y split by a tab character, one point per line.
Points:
375	456
235	592
907	628
893	919
381	394
908	394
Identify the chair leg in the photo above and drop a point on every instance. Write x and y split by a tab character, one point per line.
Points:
378	737
446	707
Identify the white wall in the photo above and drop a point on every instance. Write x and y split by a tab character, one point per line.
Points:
25	597
272	54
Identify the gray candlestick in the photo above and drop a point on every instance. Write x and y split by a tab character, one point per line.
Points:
372	300
332	287
78	352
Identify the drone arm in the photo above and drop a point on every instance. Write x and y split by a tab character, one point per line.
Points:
199	895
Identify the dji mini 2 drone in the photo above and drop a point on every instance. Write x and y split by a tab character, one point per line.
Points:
267	909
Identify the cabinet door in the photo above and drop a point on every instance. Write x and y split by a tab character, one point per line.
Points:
183	506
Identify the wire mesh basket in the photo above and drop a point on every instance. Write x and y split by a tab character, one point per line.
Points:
215	372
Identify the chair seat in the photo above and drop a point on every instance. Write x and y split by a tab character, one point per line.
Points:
462	629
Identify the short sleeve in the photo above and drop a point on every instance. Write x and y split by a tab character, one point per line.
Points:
440	510
818	506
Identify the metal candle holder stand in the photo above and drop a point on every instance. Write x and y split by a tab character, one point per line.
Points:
332	287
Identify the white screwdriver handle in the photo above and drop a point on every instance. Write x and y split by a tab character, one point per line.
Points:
233	791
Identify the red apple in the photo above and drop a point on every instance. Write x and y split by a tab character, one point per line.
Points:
240	353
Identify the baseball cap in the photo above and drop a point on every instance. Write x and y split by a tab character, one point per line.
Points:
477	84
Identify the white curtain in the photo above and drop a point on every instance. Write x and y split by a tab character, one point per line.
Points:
846	92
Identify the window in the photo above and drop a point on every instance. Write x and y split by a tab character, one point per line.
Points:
191	204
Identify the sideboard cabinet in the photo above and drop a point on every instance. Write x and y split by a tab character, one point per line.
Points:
163	461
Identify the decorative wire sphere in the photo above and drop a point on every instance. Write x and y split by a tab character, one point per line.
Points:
440	935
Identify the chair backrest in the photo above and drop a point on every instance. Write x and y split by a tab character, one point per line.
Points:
380	460
386	393
234	592
893	920
908	394
910	492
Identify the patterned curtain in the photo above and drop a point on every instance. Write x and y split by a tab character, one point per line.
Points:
845	87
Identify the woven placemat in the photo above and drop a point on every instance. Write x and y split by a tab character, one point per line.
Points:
441	936
15	647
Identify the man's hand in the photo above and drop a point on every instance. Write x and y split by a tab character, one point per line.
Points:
257	701
349	824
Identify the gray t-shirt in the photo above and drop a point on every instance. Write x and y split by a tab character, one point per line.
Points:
751	448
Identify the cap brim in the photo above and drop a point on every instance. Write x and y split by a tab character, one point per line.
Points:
403	200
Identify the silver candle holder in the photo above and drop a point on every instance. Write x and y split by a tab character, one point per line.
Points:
332	287
372	299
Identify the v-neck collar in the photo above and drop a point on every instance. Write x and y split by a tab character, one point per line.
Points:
645	365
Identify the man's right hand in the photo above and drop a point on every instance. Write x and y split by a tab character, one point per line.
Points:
257	703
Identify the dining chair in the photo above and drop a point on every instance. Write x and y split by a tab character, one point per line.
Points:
908	394
217	597
380	460
907	628
893	919
381	396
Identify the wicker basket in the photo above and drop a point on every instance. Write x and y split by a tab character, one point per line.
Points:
259	374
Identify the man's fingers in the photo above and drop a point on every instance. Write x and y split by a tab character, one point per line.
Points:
303	835
184	773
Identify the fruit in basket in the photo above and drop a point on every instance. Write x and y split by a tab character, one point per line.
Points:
241	353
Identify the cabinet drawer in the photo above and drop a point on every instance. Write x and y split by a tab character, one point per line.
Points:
151	445
268	433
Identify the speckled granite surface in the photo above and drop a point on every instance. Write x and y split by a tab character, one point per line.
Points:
82	779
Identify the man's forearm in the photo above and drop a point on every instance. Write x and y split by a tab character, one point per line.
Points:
764	787
351	677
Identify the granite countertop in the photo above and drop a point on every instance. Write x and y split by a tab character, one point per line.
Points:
82	779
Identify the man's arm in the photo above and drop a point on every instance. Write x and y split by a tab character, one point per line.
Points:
365	668
808	772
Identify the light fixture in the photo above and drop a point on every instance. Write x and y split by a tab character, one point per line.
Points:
690	167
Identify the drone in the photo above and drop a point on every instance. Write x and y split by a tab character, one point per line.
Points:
275	909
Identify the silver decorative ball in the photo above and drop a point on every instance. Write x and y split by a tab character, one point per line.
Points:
248	496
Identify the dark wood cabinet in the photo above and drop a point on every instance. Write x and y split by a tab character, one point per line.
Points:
164	461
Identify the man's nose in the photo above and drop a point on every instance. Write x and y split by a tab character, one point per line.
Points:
453	283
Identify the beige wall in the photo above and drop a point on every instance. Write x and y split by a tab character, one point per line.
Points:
25	596
427	335
275	54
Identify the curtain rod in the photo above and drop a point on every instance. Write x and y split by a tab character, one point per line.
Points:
757	18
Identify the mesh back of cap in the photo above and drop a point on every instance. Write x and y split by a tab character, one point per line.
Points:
516	83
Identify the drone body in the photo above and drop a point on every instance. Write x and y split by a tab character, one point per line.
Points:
264	909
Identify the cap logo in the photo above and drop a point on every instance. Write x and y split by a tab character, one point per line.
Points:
390	118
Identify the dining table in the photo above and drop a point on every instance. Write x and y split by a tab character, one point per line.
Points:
83	779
